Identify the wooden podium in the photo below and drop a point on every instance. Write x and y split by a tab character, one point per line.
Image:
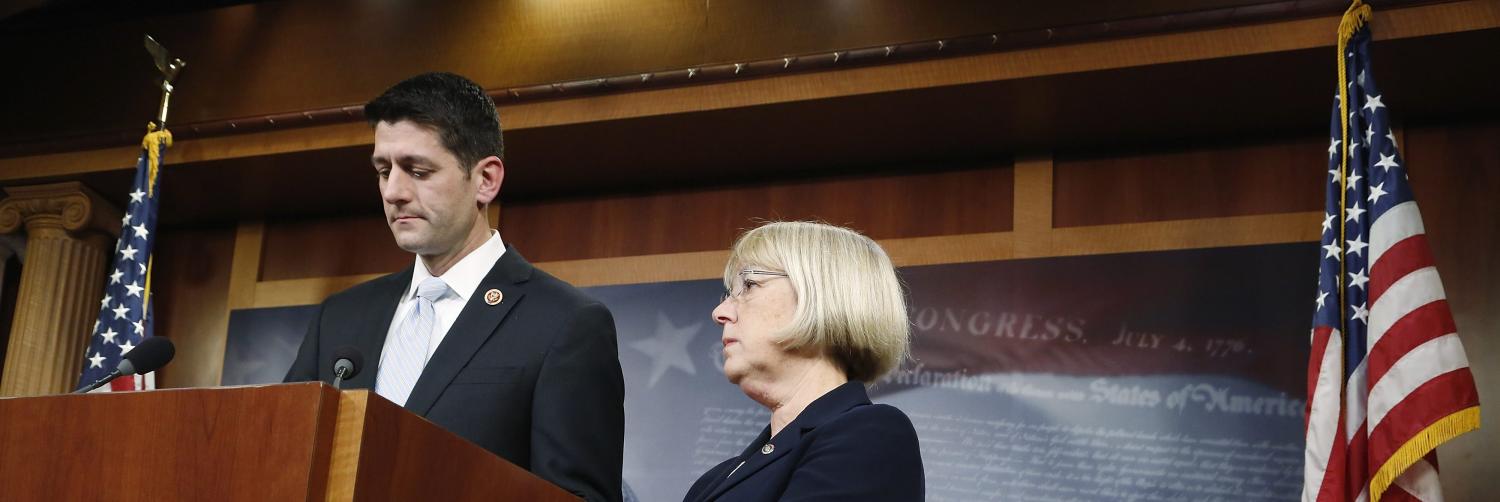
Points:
301	441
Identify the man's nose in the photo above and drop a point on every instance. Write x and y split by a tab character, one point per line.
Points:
396	187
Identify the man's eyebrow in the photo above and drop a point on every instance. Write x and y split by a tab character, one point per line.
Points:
404	160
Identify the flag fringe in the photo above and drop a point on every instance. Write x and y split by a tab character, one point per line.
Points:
1418	446
153	143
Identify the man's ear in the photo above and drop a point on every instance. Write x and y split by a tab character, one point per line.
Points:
487	175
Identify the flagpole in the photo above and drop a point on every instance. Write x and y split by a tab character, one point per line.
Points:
157	135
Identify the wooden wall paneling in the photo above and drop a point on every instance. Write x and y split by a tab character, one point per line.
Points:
249	245
1197	182
1033	205
330	247
190	296
268	57
883	206
1417	21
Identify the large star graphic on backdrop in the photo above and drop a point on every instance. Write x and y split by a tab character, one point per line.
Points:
668	348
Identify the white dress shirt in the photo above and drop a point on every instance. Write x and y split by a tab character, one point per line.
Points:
463	278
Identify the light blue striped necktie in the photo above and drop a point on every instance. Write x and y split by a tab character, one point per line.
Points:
404	357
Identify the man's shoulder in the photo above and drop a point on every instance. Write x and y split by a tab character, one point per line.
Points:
557	292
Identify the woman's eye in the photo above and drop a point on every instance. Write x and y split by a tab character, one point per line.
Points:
750	284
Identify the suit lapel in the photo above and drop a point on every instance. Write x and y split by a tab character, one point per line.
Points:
825	408
475	325
372	330
756	459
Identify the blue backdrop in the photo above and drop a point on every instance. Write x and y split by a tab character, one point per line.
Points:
1149	376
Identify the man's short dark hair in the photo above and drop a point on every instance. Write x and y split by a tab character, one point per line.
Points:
457	108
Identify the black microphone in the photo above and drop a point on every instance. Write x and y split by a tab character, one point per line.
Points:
150	355
346	363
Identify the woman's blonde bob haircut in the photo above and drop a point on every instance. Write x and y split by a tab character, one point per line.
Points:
850	305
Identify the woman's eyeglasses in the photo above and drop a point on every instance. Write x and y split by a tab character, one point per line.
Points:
745	284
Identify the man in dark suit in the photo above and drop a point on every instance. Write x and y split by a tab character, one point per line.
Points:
471	336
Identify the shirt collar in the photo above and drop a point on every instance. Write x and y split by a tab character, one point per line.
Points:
465	275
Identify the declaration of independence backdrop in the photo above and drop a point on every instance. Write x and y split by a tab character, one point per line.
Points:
1153	376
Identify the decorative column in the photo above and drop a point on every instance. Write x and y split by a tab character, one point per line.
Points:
68	233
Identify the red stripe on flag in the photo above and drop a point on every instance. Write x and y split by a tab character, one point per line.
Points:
1444	395
1356	471
1416	328
1407	256
1314	364
1334	484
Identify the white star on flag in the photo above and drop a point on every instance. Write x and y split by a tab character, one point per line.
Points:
128	253
136	195
1387	161
1358	279
97	361
134	290
140	231
109	335
120	311
140	327
1333	148
1333	251
1354	212
1373	103
125	348
1360	313
104	305
668	348
115	277
1356	245
1376	192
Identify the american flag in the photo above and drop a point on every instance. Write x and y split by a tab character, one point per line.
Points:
124	312
1387	378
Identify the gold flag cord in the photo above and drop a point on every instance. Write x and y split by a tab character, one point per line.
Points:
153	143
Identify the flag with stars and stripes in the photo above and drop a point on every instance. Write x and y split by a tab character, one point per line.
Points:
125	311
1388	380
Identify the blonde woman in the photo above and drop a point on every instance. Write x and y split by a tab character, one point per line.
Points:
811	314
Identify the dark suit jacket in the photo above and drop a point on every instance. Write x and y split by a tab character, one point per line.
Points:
840	447
535	379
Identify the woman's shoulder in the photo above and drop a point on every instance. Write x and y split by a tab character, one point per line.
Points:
873	420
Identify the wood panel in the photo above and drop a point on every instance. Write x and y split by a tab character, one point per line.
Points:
1420	22
1455	174
885	206
1187	183
190	295
330	247
271	57
382	452
226	444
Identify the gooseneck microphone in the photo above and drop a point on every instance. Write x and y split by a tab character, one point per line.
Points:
346	363
153	353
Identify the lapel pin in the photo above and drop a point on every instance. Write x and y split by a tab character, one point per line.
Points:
767	449
493	297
